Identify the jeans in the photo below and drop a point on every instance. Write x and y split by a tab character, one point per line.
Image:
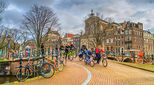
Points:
98	57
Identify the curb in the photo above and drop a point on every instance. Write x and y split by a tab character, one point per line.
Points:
137	67
30	79
89	74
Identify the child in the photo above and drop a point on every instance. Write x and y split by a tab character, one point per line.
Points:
89	52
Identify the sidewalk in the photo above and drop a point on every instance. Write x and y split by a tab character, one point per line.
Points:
71	75
145	67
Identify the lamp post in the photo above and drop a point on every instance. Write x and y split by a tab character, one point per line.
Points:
9	38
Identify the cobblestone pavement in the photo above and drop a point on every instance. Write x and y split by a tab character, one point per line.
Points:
116	74
71	75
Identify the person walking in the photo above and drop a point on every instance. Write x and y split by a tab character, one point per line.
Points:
42	49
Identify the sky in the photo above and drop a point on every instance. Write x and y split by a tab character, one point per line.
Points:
72	13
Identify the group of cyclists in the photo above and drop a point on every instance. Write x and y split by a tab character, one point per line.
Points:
67	50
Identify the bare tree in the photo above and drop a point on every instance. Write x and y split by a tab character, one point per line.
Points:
38	20
3	37
98	34
16	36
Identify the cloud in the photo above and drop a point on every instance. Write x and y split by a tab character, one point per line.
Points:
72	13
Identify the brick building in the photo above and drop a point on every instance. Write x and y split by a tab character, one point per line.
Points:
133	34
148	43
93	26
68	38
119	38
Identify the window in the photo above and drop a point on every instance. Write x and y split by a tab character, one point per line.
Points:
135	39
107	33
108	48
118	32
119	43
116	43
107	41
111	48
130	31
122	42
126	31
128	38
122	36
111	40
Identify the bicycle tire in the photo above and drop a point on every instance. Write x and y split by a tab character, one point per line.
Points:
23	75
47	72
61	65
80	58
71	58
104	62
92	63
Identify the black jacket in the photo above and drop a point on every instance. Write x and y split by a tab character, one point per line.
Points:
67	49
83	47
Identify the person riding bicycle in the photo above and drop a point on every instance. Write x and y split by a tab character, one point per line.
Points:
84	49
89	53
72	47
62	48
67	49
98	53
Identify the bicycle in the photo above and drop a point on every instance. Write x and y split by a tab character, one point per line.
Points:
22	73
57	64
62	56
104	60
82	55
42	68
89	60
72	55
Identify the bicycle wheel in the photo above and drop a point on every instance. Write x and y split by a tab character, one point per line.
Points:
60	66
71	58
104	62
47	70
92	63
73	53
22	74
80	58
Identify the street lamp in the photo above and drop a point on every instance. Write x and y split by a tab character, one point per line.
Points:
9	38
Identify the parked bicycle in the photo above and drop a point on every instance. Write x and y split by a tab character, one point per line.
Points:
57	63
42	68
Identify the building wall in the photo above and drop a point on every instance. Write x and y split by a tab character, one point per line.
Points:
148	43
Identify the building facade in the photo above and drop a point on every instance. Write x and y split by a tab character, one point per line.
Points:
148	43
51	40
119	39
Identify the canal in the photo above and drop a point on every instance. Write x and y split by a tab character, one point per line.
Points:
7	79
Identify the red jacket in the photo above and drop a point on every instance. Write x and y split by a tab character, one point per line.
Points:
98	51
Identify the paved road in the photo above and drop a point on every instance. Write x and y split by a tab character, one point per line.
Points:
114	74
71	75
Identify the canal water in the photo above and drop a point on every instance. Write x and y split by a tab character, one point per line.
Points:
7	79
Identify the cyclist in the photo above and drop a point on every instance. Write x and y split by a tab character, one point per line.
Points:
67	49
72	47
84	49
62	49
89	54
98	55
